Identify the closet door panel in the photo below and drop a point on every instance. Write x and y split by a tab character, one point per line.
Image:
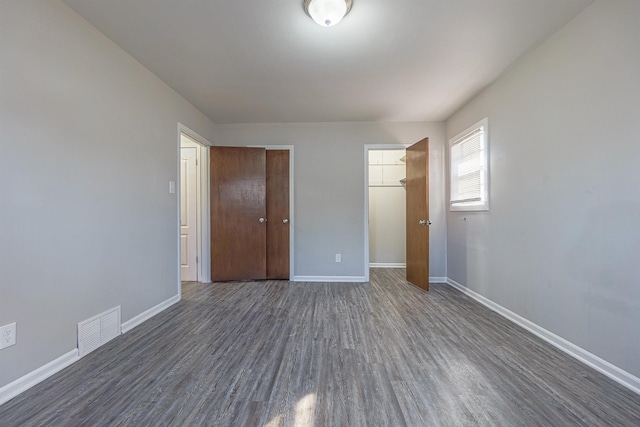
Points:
238	213
278	224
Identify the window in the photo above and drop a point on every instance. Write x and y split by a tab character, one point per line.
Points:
470	169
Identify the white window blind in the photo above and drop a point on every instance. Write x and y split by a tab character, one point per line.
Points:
469	168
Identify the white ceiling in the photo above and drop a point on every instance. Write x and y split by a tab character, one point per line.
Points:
257	61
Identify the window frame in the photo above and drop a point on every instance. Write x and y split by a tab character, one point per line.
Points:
483	203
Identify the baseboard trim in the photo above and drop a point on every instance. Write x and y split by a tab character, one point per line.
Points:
148	314
27	381
387	265
619	375
351	279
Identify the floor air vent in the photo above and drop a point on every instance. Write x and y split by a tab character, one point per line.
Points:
94	332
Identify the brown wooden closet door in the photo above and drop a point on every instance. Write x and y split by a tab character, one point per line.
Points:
278	214
418	214
238	214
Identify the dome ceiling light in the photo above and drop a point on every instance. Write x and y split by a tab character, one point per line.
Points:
327	13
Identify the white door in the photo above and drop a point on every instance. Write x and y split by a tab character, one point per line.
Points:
188	214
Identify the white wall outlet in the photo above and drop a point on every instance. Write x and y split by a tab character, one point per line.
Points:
338	257
7	335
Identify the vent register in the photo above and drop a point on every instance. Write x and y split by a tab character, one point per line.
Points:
98	330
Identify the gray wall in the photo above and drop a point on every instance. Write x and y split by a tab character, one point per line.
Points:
88	144
329	186
387	225
561	243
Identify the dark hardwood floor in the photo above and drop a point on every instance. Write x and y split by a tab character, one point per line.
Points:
279	353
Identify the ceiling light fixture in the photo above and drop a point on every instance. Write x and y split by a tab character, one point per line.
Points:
327	13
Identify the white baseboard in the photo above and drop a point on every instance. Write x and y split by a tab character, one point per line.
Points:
148	314
358	279
618	375
27	381
387	265
622	377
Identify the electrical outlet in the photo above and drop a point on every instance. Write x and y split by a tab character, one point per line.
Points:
7	335
338	257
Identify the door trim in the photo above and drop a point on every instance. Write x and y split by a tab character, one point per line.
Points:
190	143
292	221
372	147
203	224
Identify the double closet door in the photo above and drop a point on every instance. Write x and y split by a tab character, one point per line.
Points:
249	213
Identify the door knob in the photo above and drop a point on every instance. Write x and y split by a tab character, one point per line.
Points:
262	220
424	222
285	221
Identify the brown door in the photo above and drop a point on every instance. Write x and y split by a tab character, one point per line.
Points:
418	214
238	213
278	214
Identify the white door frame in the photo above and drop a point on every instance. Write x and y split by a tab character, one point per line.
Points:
292	221
203	223
367	148
186	143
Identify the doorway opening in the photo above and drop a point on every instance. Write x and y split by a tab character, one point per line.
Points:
385	207
193	204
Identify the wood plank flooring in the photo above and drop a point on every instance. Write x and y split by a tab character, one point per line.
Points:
278	353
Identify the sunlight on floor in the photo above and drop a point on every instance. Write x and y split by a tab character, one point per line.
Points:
304	411
303	415
276	422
